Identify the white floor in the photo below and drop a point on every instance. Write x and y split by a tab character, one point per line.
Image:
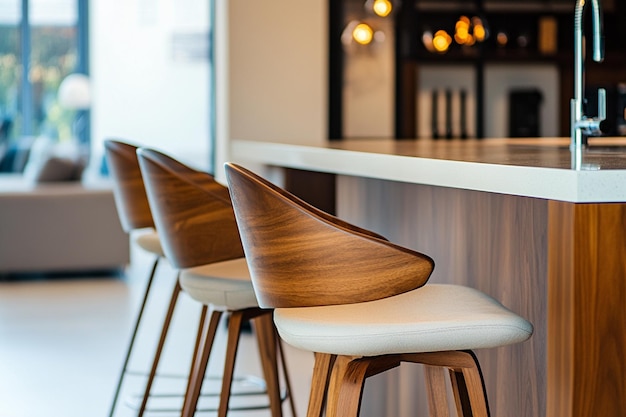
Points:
62	342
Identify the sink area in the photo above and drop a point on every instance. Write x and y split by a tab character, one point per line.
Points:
595	144
601	153
606	149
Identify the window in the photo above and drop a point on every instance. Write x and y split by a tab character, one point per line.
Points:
41	42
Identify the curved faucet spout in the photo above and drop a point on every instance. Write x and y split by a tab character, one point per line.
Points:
580	124
598	27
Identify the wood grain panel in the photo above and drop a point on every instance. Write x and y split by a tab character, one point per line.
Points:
561	265
561	314
492	242
589	287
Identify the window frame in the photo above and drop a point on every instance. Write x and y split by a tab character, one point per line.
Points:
26	106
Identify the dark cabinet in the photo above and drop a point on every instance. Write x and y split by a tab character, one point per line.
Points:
519	33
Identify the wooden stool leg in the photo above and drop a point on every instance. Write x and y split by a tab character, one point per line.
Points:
348	379
234	330
476	389
319	383
204	344
266	340
436	387
292	402
346	386
461	397
195	357
467	381
467	384
157	355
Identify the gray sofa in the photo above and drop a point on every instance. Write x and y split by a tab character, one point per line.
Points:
68	226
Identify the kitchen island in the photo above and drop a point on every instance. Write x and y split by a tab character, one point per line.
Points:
513	219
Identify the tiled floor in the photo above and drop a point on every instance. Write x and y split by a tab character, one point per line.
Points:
62	341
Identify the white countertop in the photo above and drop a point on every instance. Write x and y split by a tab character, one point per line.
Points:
539	168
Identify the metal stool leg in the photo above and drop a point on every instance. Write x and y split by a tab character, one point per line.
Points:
132	338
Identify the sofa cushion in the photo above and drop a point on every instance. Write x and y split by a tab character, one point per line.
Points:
55	168
52	162
59	226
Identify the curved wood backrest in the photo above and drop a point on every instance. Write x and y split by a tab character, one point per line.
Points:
300	256
192	212
128	188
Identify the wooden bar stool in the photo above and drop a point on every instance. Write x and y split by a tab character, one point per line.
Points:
361	304
194	217
136	219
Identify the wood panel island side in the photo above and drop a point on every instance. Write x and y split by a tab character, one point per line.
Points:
513	219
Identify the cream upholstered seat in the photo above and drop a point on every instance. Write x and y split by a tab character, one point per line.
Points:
432	318
229	288
148	240
195	220
136	219
361	303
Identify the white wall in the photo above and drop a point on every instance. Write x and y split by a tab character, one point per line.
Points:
141	93
368	86
271	72
500	79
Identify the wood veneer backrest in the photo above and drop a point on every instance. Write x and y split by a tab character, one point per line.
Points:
192	212
128	187
299	256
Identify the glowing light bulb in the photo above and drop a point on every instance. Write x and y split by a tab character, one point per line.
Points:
461	34
480	32
382	7
363	33
441	41
502	39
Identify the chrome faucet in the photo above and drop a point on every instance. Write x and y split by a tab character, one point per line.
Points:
581	124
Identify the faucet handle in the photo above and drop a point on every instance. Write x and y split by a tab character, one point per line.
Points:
601	104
